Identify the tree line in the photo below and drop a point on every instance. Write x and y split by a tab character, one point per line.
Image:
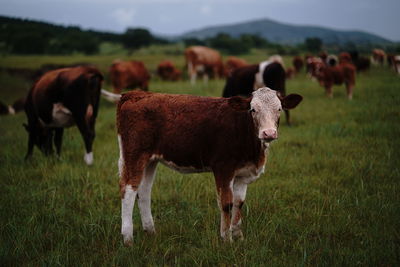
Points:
19	36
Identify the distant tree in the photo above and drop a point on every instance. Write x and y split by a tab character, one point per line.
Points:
254	40
313	44
193	41
29	42
136	38
225	42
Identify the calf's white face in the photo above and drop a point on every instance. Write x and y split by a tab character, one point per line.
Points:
265	108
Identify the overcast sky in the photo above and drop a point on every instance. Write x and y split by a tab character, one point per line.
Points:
170	17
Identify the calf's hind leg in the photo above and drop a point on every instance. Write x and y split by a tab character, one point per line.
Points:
130	178
144	198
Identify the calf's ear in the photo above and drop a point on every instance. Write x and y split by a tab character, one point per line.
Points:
290	101
239	103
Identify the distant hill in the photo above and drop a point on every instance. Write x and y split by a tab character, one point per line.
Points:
281	33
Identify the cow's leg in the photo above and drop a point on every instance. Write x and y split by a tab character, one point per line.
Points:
58	139
192	73
239	195
328	90
349	90
88	134
193	77
48	143
224	182
30	145
130	179
205	78
144	198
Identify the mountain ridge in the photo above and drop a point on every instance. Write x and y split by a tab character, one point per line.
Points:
285	33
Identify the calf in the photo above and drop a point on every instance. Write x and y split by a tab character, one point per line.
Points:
226	136
59	99
129	75
328	76
243	81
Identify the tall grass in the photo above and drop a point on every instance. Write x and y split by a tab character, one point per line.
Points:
330	194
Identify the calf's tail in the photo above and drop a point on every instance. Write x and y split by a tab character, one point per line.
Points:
114	98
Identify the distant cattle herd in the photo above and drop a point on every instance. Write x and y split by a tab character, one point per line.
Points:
228	135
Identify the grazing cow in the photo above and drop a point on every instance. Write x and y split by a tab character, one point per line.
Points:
226	136
232	63
129	75
168	72
245	80
394	62
312	63
298	63
378	56
361	63
345	57
342	73
205	61
59	99
323	55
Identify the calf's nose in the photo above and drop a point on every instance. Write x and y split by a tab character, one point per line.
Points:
270	134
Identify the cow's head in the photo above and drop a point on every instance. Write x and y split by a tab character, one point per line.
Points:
265	107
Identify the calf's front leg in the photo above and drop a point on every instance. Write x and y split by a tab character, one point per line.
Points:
224	184
239	195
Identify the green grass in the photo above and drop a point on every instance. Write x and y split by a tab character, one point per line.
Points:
330	194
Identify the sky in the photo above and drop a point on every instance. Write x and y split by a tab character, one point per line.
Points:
174	17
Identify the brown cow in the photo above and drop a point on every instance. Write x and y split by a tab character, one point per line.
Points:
129	75
394	62
362	63
59	99
168	72
345	57
327	76
227	136
232	63
298	63
205	61
378	56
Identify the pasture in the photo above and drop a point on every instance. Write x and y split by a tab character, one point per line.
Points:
330	195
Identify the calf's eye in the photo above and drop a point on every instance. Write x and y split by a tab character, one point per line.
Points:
252	110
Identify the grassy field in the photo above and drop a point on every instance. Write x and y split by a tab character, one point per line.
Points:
330	195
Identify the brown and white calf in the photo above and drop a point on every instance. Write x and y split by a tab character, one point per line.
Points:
226	136
60	99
